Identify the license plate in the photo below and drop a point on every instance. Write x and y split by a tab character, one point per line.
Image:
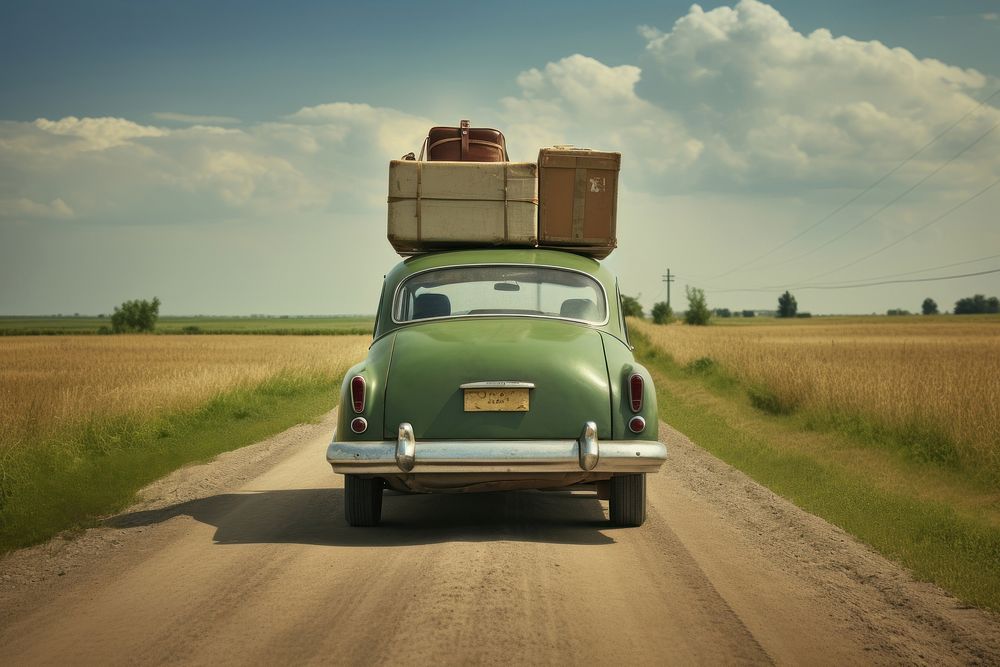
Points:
496	400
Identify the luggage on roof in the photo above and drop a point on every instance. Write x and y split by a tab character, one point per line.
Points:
466	144
467	194
578	200
437	205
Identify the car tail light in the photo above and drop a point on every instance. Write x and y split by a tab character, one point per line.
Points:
358	393
637	424
359	424
635	388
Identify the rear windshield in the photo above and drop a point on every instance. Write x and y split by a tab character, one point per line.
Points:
464	291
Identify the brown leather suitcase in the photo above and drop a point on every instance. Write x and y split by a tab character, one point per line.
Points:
578	200
466	144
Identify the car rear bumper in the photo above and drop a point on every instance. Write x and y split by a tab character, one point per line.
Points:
407	455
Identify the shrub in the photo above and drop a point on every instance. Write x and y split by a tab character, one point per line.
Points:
662	313
631	306
787	305
697	312
136	315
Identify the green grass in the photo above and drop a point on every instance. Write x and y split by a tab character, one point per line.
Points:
95	469
942	525
297	325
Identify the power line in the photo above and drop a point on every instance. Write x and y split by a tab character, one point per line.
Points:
866	279
915	231
861	194
894	199
884	282
942	216
910	273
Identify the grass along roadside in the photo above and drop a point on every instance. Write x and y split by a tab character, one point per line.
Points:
72	477
929	388
941	524
86	421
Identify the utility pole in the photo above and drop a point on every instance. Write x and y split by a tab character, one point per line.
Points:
668	279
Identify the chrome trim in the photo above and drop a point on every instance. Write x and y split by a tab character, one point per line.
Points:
604	292
406	448
497	384
642	424
589	448
364	425
406	455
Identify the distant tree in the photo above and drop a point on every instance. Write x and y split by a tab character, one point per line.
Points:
723	312
138	315
631	306
697	312
662	313
749	313
929	307
897	311
787	305
971	305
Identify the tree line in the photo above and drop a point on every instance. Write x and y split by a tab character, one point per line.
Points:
698	312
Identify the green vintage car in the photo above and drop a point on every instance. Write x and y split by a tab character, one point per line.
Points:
493	370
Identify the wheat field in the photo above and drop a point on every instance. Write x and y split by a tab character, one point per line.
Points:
51	383
917	378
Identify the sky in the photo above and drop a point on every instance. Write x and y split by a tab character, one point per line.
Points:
232	157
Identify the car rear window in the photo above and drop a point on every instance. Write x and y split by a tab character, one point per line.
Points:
527	291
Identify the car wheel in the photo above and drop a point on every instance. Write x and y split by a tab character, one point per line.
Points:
628	500
362	500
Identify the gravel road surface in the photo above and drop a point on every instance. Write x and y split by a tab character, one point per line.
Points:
247	560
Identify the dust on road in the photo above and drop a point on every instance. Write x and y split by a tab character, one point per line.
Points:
247	560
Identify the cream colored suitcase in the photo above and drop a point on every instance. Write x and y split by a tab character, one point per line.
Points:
437	205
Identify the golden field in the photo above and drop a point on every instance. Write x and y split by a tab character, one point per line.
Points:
929	379
52	382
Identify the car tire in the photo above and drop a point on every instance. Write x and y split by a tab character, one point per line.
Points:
362	500
627	504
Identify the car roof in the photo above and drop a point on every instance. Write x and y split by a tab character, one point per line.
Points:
533	256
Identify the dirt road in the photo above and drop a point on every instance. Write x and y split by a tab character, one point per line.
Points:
247	560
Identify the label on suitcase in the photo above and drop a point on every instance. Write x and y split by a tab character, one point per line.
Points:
578	200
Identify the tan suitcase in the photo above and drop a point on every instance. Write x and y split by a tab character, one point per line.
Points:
578	200
437	205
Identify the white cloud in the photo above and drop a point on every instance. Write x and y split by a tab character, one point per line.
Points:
331	156
194	119
22	208
99	133
579	100
802	108
736	99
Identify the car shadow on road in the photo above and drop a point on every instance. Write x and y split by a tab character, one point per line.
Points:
316	516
